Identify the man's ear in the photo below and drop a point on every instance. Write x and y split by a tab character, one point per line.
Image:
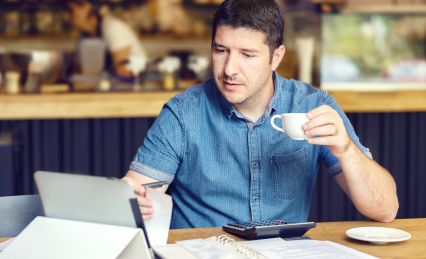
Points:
277	56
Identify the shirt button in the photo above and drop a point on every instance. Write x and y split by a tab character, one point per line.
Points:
255	199
255	164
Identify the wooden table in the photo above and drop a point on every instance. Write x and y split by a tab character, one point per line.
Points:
415	247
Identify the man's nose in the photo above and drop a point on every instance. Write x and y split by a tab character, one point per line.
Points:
232	65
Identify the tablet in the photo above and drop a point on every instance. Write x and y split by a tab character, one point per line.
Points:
90	199
86	198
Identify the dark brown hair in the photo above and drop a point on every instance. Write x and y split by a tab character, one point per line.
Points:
66	4
260	15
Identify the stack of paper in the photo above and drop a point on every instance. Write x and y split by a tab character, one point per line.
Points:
307	249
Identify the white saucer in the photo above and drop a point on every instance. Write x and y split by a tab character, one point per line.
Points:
378	235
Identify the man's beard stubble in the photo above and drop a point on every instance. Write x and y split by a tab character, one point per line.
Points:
233	79
254	93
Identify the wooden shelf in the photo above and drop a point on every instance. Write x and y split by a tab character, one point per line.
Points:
83	105
398	101
149	104
53	37
38	37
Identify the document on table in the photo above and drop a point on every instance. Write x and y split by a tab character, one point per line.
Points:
209	248
202	249
5	244
158	226
308	249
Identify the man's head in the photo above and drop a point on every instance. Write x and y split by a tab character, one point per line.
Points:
246	49
81	14
258	15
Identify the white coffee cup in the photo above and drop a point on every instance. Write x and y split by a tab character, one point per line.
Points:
292	124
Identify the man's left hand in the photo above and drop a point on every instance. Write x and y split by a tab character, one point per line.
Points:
326	123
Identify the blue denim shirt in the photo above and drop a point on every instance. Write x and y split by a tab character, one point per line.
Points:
221	171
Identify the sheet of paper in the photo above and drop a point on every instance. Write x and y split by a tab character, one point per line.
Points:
179	251
159	225
311	249
4	244
202	249
259	241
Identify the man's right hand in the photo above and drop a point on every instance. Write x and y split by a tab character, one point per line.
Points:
145	204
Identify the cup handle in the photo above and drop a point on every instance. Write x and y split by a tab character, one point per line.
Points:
273	124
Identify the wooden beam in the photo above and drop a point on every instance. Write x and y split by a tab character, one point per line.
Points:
83	105
398	101
149	104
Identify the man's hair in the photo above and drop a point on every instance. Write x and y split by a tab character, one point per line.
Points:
66	3
259	15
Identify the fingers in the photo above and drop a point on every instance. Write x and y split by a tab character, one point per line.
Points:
139	189
145	217
320	110
142	191
321	120
147	211
324	121
326	130
144	202
145	206
330	140
326	124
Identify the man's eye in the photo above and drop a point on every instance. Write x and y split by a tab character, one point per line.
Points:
220	50
248	55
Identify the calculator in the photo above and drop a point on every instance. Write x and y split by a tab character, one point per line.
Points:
268	229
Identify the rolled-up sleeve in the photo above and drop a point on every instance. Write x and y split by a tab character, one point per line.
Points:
160	155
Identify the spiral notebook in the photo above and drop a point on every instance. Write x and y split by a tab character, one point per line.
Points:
222	247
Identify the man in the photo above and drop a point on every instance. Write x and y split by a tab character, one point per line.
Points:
120	39
214	143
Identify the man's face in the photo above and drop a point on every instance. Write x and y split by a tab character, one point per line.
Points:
240	61
78	15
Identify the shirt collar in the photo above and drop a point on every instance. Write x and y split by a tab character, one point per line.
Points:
229	110
273	103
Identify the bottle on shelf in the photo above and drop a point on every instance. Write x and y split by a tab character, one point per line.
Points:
34	78
12	85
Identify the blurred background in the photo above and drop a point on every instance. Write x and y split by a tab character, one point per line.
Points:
81	82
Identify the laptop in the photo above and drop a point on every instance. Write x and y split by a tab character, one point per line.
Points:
90	199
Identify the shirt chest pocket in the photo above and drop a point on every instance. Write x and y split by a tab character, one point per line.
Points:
289	173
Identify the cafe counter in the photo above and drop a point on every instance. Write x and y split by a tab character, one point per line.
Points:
145	104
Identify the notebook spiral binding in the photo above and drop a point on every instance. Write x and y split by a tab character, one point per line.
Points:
243	250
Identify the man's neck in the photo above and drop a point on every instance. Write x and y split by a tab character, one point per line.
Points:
256	110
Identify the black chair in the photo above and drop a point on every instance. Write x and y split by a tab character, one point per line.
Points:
16	212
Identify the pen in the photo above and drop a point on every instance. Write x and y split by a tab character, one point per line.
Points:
155	184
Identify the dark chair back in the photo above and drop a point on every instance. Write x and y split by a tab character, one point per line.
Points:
16	212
